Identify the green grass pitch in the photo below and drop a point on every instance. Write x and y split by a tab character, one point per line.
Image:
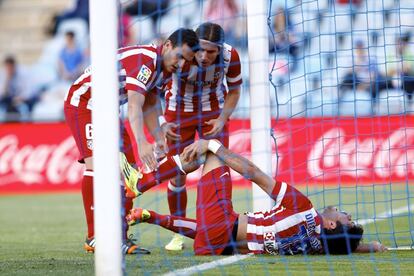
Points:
43	235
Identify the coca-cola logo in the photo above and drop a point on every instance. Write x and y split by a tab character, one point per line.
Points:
351	155
38	164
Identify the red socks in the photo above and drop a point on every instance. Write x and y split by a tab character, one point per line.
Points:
184	226
169	167
87	196
128	204
177	200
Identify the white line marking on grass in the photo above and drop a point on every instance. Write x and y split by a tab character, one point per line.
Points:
401	248
206	266
387	215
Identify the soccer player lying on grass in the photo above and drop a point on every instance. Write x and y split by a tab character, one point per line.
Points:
291	227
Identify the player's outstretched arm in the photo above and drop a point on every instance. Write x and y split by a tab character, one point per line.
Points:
371	247
136	119
235	161
152	110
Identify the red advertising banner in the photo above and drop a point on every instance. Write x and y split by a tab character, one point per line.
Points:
38	158
43	157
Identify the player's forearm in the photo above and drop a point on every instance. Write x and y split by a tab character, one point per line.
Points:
151	113
136	116
246	168
370	247
230	104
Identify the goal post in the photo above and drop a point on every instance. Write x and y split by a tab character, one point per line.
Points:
258	50
105	118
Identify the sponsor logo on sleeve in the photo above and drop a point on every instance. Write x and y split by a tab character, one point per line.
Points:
269	242
144	74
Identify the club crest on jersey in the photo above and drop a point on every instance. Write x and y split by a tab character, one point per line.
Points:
269	243
144	74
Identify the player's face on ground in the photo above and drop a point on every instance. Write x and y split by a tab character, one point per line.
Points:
332	213
175	56
207	54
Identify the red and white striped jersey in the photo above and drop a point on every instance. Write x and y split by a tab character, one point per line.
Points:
291	227
195	89
139	70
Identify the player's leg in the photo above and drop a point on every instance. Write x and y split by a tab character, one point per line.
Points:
129	245
87	197
137	182
177	193
81	129
184	226
216	218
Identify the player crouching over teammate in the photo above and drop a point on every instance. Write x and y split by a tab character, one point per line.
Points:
291	227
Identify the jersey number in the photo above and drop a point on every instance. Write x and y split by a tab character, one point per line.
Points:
88	131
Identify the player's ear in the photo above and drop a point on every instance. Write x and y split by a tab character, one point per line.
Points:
331	224
168	44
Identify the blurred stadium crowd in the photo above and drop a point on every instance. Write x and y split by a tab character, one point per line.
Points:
327	57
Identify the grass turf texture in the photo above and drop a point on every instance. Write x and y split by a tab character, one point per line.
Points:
43	234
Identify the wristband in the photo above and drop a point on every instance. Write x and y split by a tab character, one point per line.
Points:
161	120
213	146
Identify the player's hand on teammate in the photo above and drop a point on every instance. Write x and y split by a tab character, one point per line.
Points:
168	129
196	149
217	126
146	154
161	149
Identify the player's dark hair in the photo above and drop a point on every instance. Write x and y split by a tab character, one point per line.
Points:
71	34
211	32
184	36
9	60
341	240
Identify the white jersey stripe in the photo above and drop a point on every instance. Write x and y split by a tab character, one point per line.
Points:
78	93
83	76
146	52
205	98
89	105
293	220
235	79
254	246
280	225
280	195
172	101
136	82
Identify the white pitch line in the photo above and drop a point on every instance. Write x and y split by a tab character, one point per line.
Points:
387	215
206	266
401	248
233	259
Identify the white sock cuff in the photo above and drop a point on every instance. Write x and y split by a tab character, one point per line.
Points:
175	189
88	173
178	162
